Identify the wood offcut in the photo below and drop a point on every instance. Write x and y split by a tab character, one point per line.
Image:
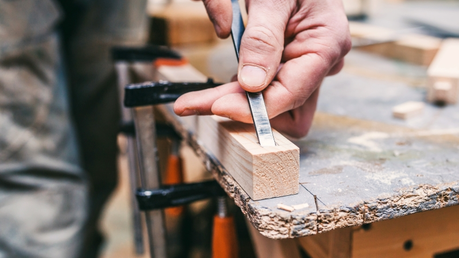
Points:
443	74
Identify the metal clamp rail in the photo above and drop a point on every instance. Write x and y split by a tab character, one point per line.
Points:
138	121
124	57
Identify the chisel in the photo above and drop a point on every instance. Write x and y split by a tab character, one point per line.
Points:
256	101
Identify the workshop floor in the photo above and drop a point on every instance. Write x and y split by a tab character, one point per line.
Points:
116	221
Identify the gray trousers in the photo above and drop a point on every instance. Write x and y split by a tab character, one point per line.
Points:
59	119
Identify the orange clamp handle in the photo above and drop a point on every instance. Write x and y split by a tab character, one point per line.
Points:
224	241
174	175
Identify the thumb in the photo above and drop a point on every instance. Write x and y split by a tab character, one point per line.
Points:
262	43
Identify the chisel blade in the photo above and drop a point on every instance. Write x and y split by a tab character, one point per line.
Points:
256	101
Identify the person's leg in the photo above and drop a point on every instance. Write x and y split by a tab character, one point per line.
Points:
106	23
43	191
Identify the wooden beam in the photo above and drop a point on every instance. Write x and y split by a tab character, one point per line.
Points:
263	172
443	73
416	49
411	48
270	248
333	244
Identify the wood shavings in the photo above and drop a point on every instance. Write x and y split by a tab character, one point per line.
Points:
408	110
285	207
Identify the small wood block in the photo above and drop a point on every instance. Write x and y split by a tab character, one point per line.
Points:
285	207
441	90
408	110
443	73
263	172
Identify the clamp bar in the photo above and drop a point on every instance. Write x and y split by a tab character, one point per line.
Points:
152	93
176	195
143	54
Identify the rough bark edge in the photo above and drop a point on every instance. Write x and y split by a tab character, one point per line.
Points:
281	225
405	202
275	225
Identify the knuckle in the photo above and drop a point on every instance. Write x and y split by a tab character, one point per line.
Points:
299	131
262	40
346	44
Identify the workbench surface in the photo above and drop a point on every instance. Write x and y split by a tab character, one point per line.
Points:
362	164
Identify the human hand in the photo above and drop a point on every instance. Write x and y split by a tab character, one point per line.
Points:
287	49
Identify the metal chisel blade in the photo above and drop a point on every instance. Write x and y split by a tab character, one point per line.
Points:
256	101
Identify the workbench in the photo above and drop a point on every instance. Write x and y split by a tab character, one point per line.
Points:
362	164
358	164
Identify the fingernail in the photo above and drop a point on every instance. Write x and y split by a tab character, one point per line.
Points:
189	112
253	76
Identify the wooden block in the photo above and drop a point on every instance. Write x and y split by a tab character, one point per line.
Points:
181	23
443	73
408	110
263	172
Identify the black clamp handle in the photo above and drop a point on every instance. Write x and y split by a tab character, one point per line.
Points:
152	93
143	54
176	195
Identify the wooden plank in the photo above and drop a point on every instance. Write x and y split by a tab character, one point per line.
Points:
370	34
269	248
420	235
443	73
263	172
416	49
340	243
316	246
411	48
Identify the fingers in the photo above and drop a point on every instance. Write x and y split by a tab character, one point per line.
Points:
229	101
297	122
294	84
200	102
220	13
262	43
336	68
